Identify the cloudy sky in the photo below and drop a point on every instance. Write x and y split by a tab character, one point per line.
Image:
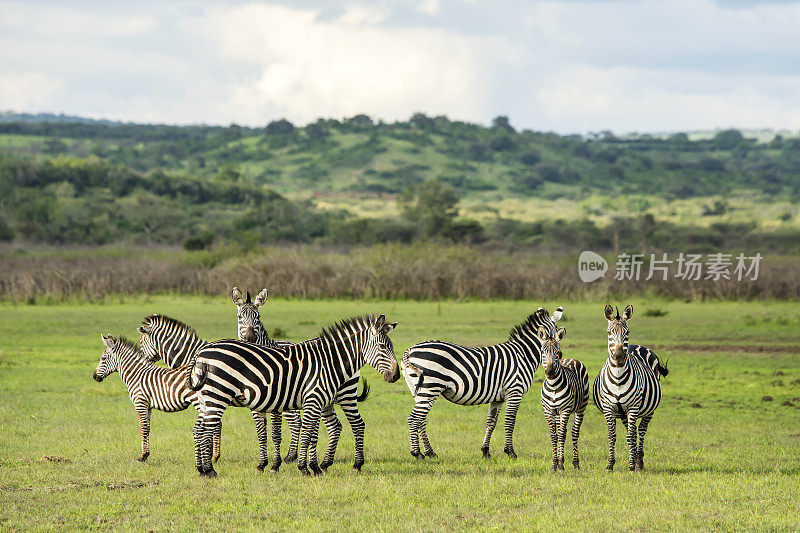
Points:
563	65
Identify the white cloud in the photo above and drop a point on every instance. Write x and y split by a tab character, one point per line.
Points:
557	65
309	68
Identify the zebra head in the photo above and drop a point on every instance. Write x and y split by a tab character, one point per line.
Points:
551	349
618	334
250	327
379	350
109	361
147	345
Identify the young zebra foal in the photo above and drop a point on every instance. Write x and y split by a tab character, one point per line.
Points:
149	386
565	391
628	387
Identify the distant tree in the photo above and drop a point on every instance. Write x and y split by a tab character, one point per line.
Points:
502	143
548	172
502	122
432	206
531	158
360	122
479	152
316	131
229	173
728	139
280	127
421	121
776	142
678	138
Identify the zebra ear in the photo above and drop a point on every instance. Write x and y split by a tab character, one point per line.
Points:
108	341
261	298
236	296
557	314
389	327
609	312
380	321
562	332
628	313
542	333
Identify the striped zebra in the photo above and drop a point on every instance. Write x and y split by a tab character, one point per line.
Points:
251	329
468	375
166	338
628	387
306	375
565	391
149	386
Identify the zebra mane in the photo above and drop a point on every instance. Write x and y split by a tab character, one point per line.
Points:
540	318
123	344
346	327
184	329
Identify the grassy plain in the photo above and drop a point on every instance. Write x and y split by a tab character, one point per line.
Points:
718	456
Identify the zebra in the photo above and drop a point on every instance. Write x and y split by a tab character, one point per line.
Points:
252	329
305	375
149	386
467	375
628	387
565	391
166	338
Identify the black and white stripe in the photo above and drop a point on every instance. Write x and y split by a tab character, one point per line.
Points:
166	338
628	387
468	375
306	375
149	386
251	329
565	391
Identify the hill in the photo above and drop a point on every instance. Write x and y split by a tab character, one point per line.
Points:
499	183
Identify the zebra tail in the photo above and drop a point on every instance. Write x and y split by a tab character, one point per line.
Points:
662	369
407	362
201	376
364	391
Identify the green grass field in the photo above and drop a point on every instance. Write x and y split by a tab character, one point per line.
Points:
718	456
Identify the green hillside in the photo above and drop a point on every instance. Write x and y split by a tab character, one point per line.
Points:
321	181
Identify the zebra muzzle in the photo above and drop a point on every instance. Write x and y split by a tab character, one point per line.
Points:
393	375
97	377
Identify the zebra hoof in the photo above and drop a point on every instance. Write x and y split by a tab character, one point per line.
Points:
431	454
210	473
325	464
290	457
144	456
316	469
417	454
610	468
510	452
576	465
304	471
261	466
486	453
357	465
561	467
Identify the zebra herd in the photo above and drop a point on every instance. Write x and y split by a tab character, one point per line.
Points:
302	381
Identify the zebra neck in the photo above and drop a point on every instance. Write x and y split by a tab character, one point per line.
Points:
180	350
130	367
525	348
558	378
263	339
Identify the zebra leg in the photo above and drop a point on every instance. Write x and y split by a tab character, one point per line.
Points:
216	443
276	420
294	421
357	425
576	431
631	441
417	421
197	432
260	420
334	428
491	422
551	424
611	424
142	407
513	399
563	420
307	458
640	452
210	419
